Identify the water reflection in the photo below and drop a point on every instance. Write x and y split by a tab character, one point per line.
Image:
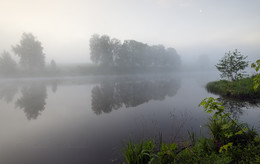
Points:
33	100
109	93
113	94
54	86
236	107
7	92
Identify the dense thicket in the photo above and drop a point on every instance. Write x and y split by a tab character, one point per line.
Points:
130	54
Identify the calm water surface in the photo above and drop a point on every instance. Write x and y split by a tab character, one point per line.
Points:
86	119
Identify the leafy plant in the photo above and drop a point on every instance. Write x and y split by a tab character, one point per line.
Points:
138	153
224	129
256	65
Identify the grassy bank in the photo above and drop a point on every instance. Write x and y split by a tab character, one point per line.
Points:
241	89
203	150
230	142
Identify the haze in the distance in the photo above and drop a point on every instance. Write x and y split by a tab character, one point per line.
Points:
193	28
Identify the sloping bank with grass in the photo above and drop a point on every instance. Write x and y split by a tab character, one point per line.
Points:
230	142
239	89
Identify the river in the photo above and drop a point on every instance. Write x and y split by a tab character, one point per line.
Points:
87	119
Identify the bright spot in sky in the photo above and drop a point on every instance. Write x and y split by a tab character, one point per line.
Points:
200	11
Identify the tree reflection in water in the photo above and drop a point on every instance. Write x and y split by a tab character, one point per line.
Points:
54	86
113	94
236	107
33	100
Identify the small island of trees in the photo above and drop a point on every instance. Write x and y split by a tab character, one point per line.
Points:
236	83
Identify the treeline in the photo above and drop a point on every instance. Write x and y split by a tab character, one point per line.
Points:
110	56
131	55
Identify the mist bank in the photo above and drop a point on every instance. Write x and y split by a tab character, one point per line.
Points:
109	56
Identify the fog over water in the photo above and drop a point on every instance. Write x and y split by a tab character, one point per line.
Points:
192	28
80	77
86	119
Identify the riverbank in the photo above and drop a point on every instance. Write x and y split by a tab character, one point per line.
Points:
229	142
240	89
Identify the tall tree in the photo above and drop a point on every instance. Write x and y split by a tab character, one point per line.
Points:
133	54
30	52
232	65
94	45
115	49
103	49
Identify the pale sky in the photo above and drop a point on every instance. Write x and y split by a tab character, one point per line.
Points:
192	27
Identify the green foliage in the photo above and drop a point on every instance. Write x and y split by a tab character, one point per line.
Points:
225	147
210	104
256	66
232	65
167	153
240	89
202	152
222	124
228	134
138	153
248	153
231	142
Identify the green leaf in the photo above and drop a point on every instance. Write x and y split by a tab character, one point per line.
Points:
228	135
239	132
225	147
225	126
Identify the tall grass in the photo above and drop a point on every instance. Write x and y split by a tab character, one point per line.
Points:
138	153
245	147
241	89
